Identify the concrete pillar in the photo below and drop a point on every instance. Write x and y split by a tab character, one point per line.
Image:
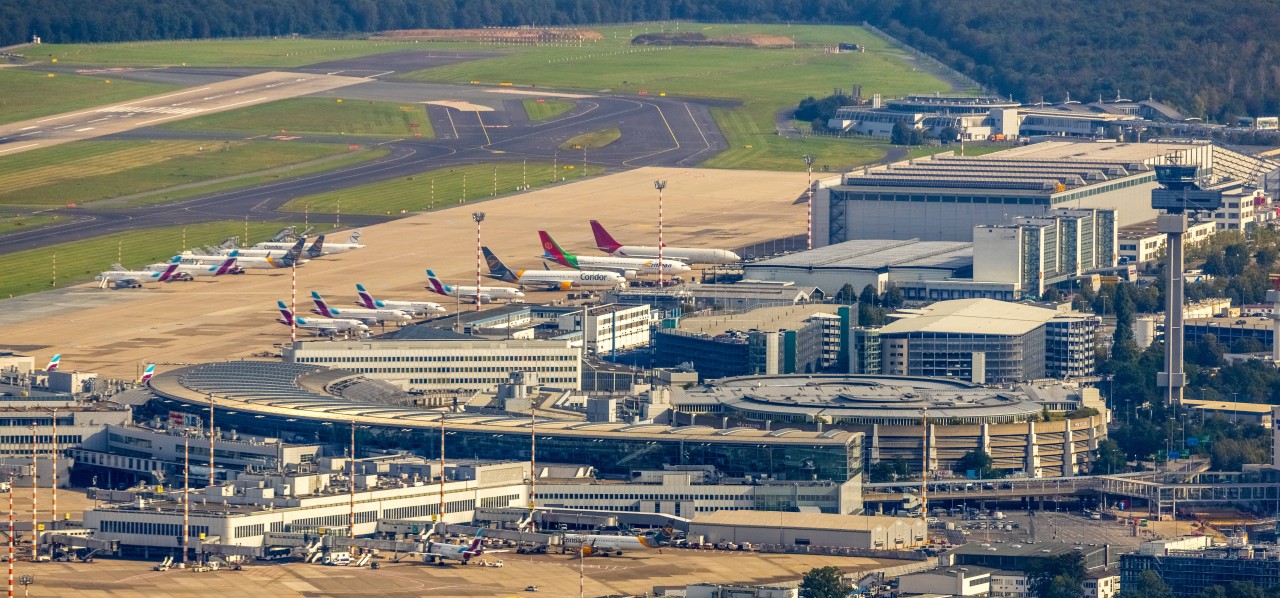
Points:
1068	450
1093	432
984	439
932	442
875	443
1032	461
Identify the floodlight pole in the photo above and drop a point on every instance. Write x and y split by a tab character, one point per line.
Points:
35	487
659	185
211	433
478	217
55	467
186	495
808	228
351	494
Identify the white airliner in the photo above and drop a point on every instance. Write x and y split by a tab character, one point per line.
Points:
243	263
368	316
190	271
553	279
417	308
292	249
627	266
326	326
591	544
118	277
689	255
321	247
482	294
440	552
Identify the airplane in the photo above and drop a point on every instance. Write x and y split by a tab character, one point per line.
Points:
320	246
627	266
605	243
326	326
147	373
593	544
120	278
455	552
315	250
552	279
368	316
417	308
243	263
480	294
294	249
53	363
190	271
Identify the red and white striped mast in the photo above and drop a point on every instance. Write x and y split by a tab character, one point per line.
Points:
478	217
808	227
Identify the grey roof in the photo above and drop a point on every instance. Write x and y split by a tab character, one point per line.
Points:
877	254
971	316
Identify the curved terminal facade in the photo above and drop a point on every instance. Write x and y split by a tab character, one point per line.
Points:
890	412
312	404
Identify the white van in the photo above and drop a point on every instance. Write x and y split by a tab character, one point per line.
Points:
337	559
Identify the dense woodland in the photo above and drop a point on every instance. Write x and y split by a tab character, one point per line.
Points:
1211	59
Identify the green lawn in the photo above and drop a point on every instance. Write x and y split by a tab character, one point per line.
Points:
764	80
13	222
543	109
80	261
436	188
285	52
592	140
27	94
317	116
86	171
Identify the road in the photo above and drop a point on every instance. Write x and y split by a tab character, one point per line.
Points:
655	132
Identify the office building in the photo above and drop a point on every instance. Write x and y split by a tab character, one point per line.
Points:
1140	243
809	529
458	365
771	340
969	117
987	341
609	328
1039	252
1189	572
950	581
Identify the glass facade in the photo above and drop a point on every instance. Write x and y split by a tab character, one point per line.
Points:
611	454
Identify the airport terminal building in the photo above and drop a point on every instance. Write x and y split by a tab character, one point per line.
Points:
944	197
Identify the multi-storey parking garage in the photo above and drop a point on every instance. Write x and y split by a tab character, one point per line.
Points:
318	405
1005	422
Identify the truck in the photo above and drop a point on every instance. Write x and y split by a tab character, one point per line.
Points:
337	559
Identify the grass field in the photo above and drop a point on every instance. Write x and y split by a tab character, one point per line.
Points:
86	171
317	116
592	140
764	80
435	188
543	109
80	261
11	222
26	94
284	52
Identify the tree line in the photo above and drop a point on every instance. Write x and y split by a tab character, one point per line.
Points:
1211	59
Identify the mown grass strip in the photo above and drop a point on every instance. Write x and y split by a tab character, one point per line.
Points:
317	116
80	261
28	93
442	187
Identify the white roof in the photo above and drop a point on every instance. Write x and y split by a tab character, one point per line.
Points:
793	520
973	316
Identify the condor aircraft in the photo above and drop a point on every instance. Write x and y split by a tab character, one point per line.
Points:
689	255
628	267
552	279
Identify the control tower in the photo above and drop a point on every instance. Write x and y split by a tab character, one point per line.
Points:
1179	194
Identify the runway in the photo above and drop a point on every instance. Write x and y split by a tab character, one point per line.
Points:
655	132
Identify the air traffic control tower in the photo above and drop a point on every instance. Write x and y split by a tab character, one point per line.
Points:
1179	193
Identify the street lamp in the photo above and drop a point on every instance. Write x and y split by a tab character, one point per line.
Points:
808	227
478	217
659	185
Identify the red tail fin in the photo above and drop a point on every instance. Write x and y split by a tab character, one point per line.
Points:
604	241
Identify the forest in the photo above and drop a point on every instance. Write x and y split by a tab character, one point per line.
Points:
1213	60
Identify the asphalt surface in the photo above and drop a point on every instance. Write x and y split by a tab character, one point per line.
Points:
655	132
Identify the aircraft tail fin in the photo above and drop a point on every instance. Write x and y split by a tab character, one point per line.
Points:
226	266
147	373
365	299
285	313
604	241
555	252
355	237
53	363
497	268
321	305
168	272
317	247
435	285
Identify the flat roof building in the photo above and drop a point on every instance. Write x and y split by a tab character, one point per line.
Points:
869	261
810	529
